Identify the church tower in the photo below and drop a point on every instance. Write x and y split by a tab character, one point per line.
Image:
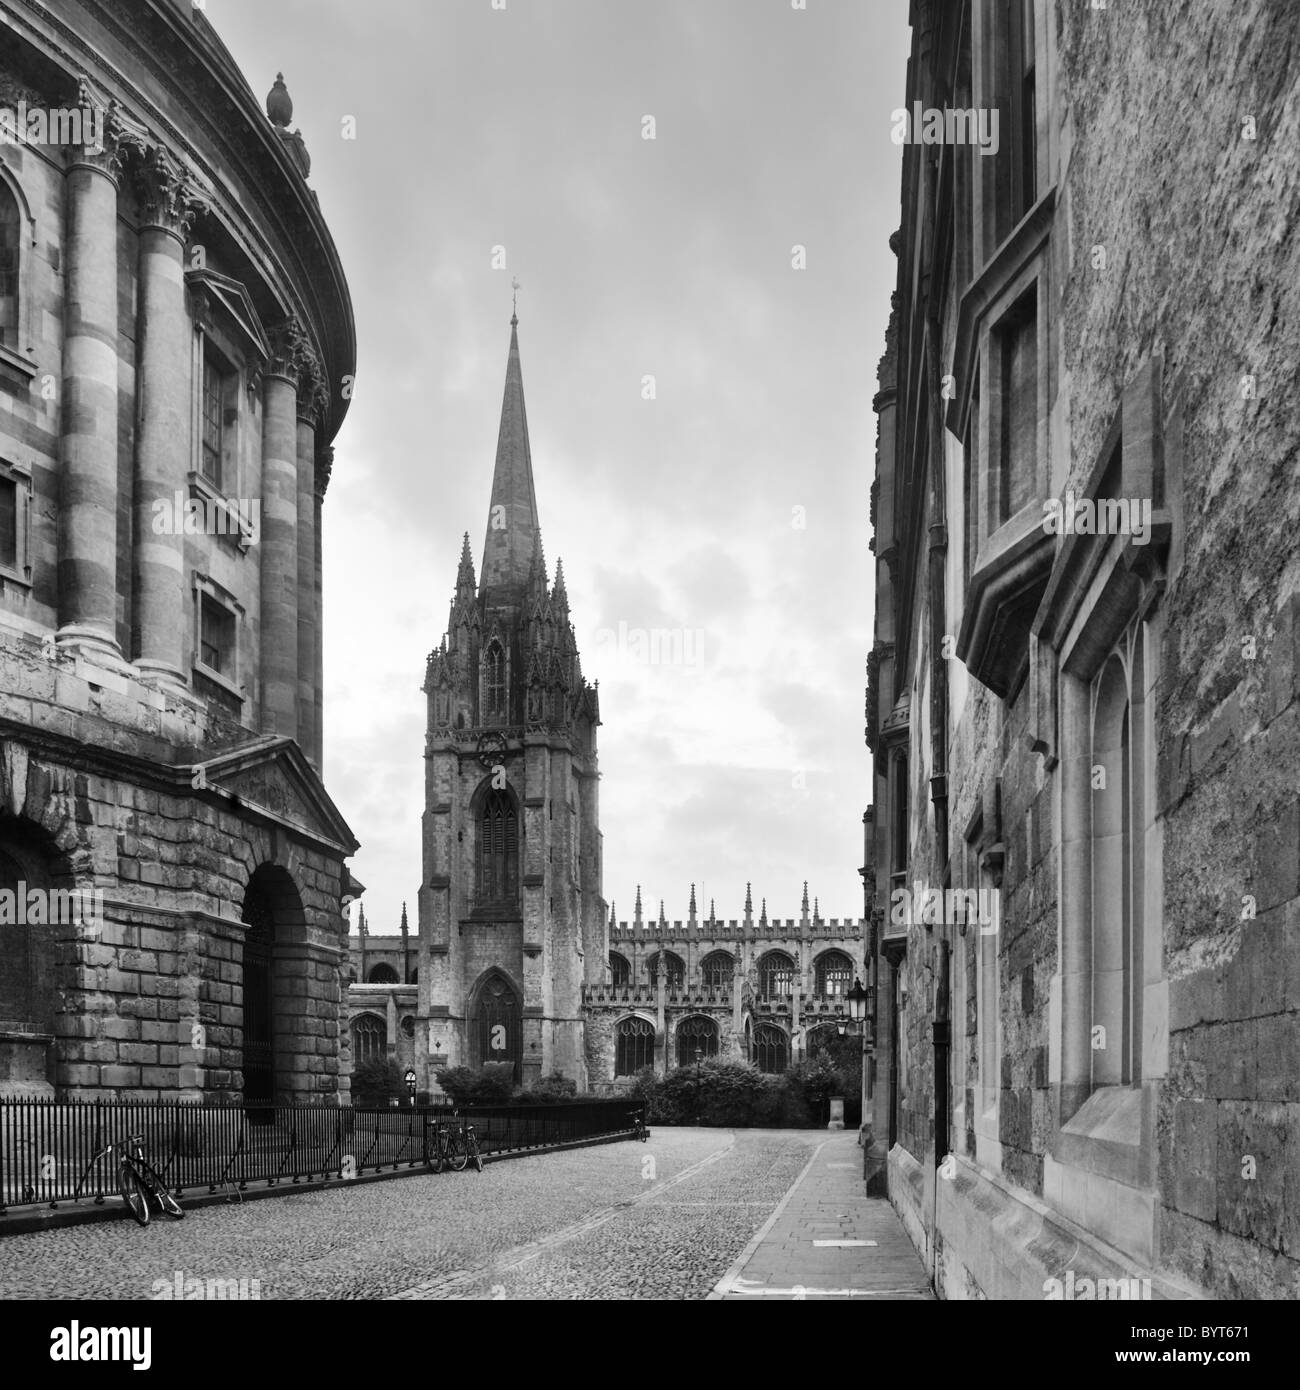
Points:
512	921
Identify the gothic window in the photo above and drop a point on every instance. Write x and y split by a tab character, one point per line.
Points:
634	1046
696	1034
717	971
776	976
498	849
1119	776
771	1049
494	681
620	971
497	1026
382	975
369	1039
676	972
408	1027
834	975
11	223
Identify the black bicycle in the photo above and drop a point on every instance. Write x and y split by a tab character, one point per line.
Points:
443	1144
639	1131
140	1184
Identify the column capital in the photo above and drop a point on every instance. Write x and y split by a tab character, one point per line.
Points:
313	398
290	350
324	466
168	196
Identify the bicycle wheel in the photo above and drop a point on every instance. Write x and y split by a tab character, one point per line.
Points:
134	1194
471	1143
433	1152
456	1154
159	1193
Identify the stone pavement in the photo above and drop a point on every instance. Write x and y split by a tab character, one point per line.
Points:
625	1222
827	1239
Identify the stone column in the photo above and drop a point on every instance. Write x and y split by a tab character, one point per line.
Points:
308	616
164	392
324	464
87	524
278	655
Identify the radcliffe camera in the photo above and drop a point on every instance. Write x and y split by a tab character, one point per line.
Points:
648	652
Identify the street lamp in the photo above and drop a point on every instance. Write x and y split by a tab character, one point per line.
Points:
699	1057
858	997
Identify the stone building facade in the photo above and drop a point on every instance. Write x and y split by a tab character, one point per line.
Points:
747	990
383	993
1091	1063
512	921
176	353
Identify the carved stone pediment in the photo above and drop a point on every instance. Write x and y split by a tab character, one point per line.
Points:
273	778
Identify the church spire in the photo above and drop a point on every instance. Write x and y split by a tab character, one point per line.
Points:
512	515
465	581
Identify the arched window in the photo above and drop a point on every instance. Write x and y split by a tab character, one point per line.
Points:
696	1034
776	976
498	880
771	1049
11	223
676	972
497	1024
834	974
494	681
408	1027
634	1046
369	1039
382	975
717	972
620	971
1119	781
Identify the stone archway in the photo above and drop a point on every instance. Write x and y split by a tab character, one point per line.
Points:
271	1035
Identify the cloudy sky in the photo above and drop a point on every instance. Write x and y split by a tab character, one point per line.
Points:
731	509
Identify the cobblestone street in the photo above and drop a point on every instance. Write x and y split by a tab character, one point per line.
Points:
625	1220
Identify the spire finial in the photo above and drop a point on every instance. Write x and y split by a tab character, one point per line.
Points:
514	302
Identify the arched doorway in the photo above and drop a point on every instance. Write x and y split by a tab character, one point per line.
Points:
496	1024
272	914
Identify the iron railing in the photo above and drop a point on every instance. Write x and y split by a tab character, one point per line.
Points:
47	1147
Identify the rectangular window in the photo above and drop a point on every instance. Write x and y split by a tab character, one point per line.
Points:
1017	345
971	523
9	516
216	637
1025	108
213	411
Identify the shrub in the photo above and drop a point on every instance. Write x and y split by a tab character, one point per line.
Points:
376	1082
490	1085
555	1087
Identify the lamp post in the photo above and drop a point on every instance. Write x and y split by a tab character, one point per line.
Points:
857	998
699	1057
